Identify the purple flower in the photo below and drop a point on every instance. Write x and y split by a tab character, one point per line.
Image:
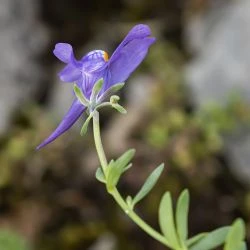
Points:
95	65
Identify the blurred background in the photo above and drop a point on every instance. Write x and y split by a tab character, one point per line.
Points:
188	106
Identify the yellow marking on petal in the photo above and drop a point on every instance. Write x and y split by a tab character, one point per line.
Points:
105	56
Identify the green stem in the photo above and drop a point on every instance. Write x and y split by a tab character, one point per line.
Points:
98	142
141	223
115	193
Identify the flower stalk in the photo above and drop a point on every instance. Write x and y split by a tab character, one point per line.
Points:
115	193
98	142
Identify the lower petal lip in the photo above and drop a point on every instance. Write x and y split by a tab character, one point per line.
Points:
69	119
70	73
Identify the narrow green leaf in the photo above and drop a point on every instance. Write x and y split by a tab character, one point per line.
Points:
149	184
80	95
119	108
182	216
166	220
116	168
125	158
99	175
195	239
236	235
127	167
111	165
113	175
242	246
112	90
212	239
96	89
85	125
113	178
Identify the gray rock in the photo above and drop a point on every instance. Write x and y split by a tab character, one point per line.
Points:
22	38
107	241
219	40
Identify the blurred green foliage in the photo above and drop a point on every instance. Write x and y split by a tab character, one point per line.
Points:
12	241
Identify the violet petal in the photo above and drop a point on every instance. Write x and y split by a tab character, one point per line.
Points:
139	31
130	56
69	73
64	52
69	119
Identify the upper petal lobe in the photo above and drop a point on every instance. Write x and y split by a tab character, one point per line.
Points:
128	59
139	31
64	52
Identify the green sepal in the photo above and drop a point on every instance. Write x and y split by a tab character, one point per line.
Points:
148	185
100	175
116	87
116	168
182	216
112	90
114	99
119	108
96	89
212	239
236	236
85	125
166	221
80	96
